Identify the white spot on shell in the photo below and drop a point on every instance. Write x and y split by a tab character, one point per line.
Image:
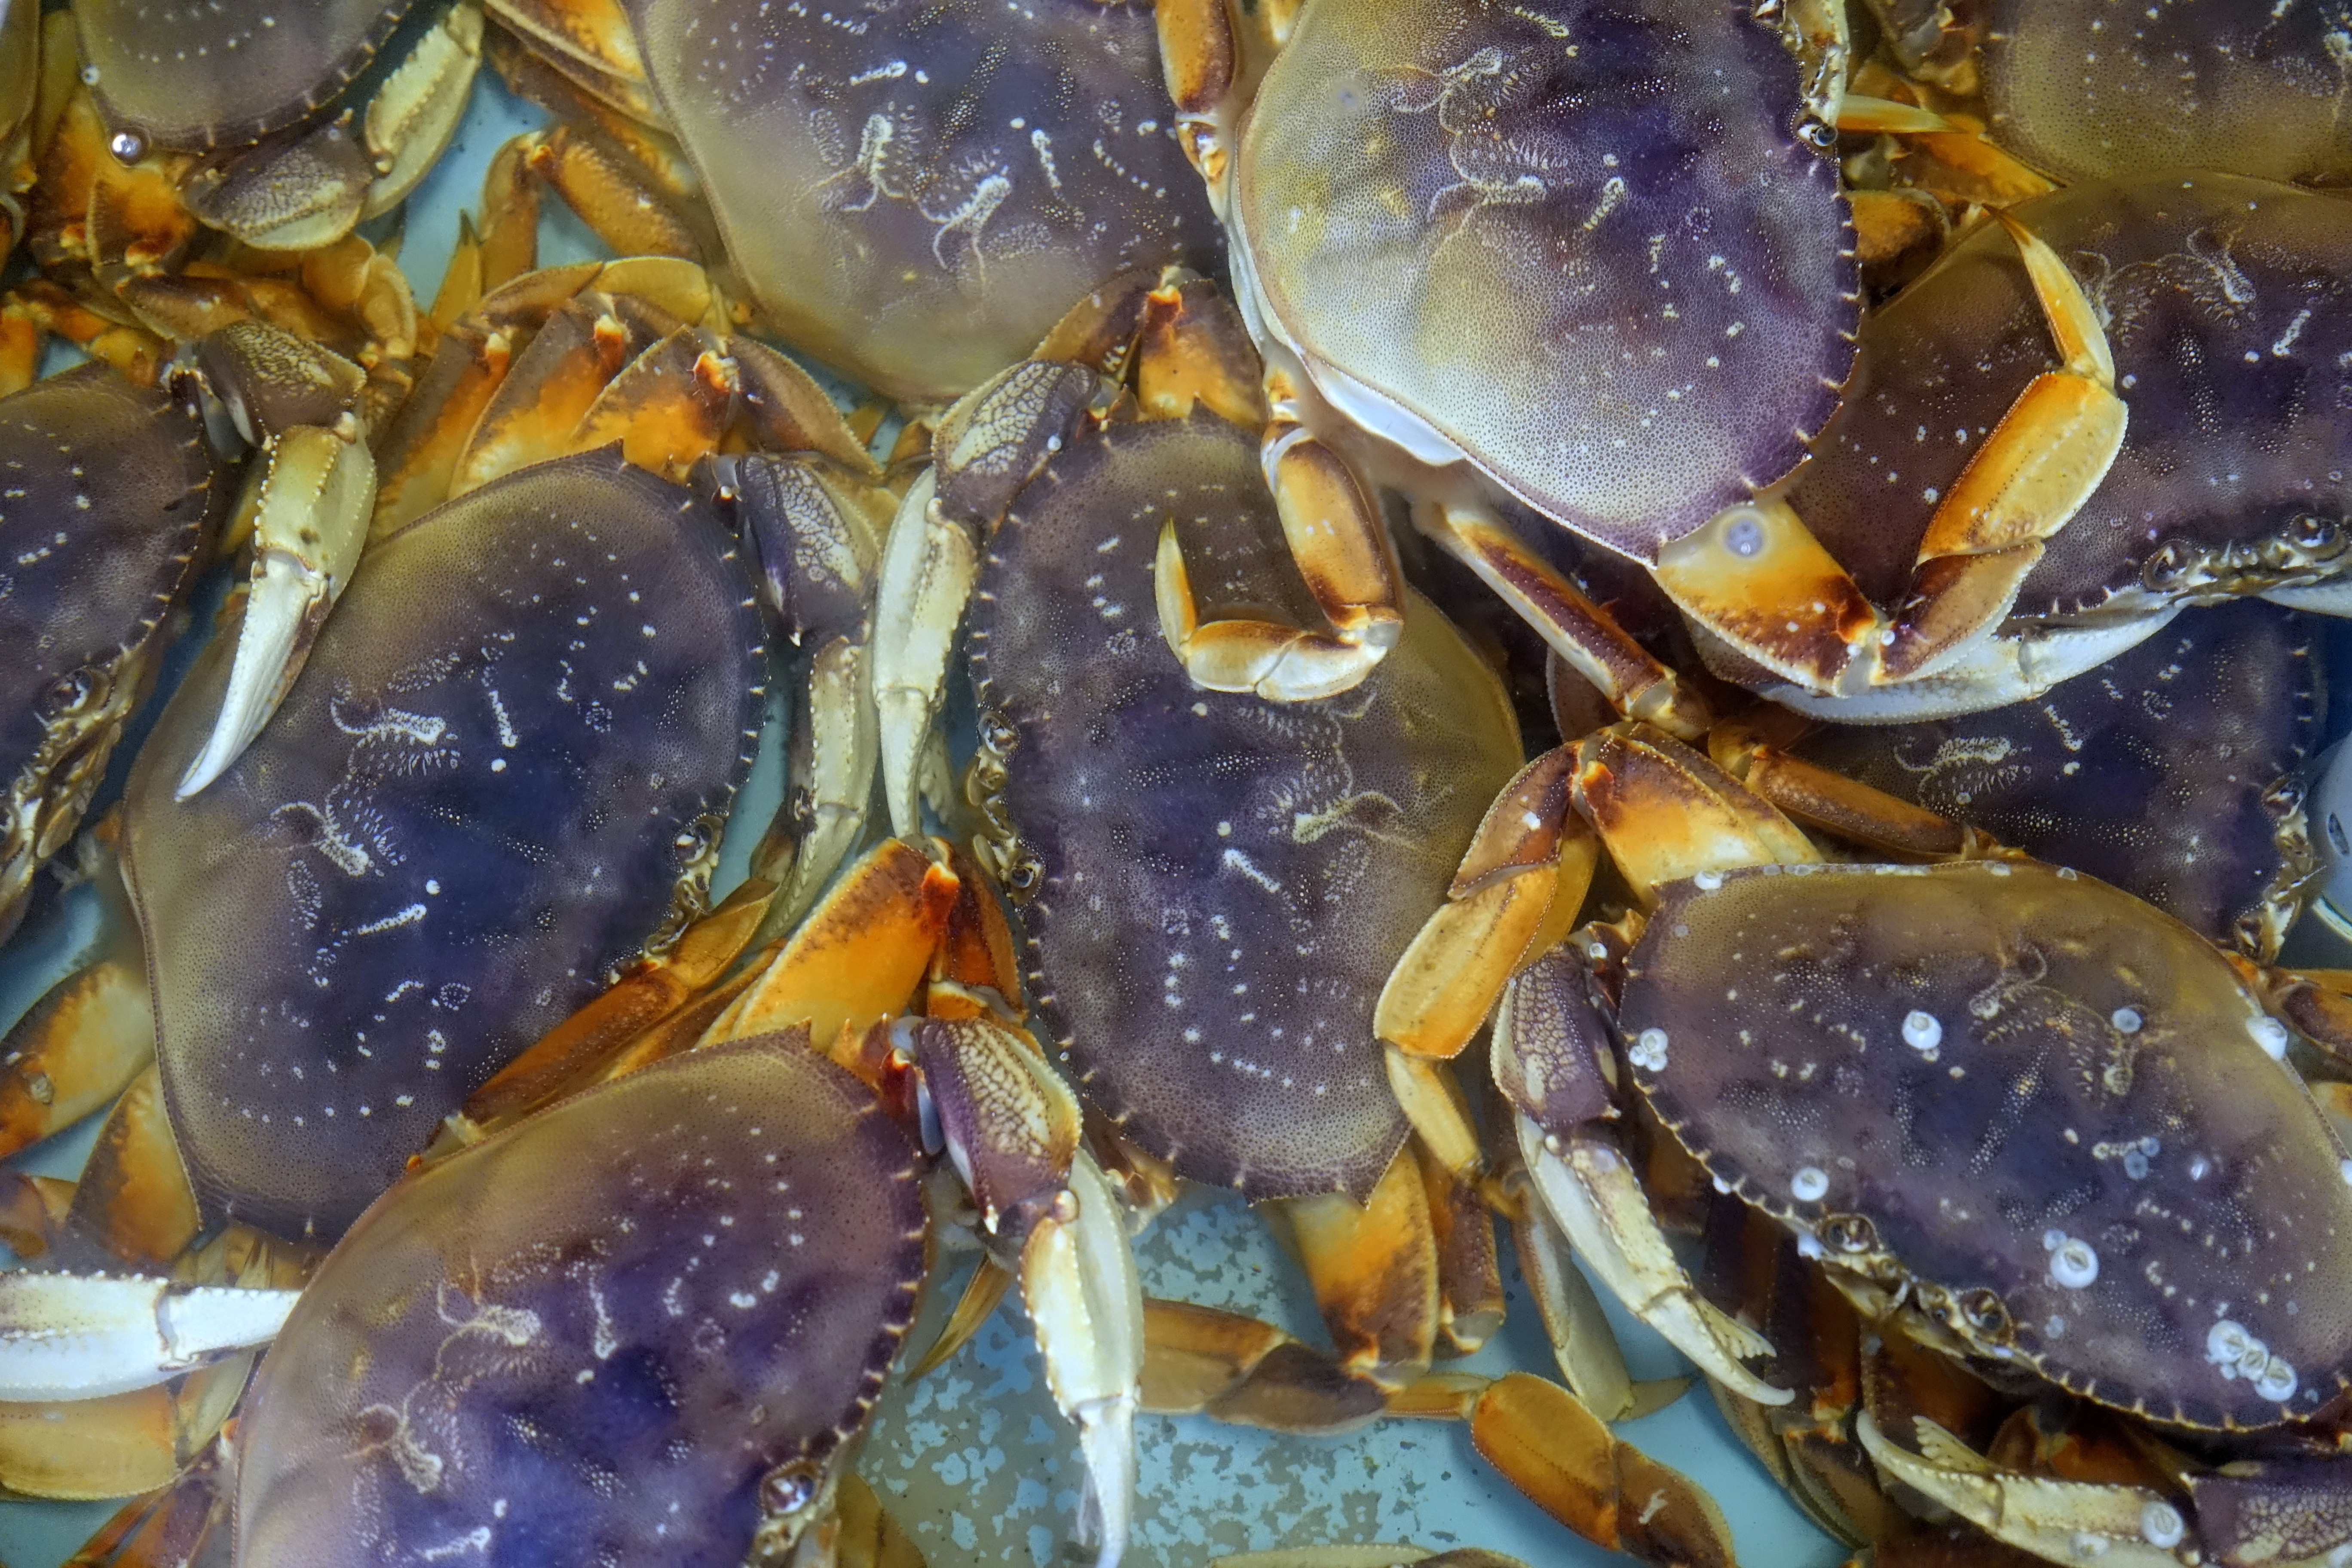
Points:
2160	1524
1810	1184
2271	1035
1649	1050
2073	1263
1922	1031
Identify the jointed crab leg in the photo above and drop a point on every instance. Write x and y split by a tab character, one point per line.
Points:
1541	1438
1580	631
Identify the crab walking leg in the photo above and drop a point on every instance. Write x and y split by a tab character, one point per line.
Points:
1578	630
1469	1268
1374	1268
1519	888
79	1047
1538	1435
1757	576
317	494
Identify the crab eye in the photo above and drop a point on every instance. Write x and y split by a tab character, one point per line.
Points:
1849	1233
789	1488
1985	1312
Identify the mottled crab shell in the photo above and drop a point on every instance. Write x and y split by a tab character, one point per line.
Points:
2112	88
502	774
2052	1110
2173	771
223	73
916	191
1583	243
2227	304
1225	882
536	1352
105	492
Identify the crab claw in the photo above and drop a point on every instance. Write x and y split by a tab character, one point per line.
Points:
315	498
69	1336
2128	1526
1079	1283
1012	1128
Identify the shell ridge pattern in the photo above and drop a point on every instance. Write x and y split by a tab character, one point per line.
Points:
2050	1107
480	800
2225	303
1225	881
611	1371
941	223
1590	241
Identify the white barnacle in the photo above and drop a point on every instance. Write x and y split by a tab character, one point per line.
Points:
1708	881
2127	1020
1649	1050
2271	1035
2225	1344
2087	1544
2160	1524
2277	1381
2073	1263
2343	1168
1810	1184
1922	1031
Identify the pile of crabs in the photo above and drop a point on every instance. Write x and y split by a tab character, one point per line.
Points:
1885	463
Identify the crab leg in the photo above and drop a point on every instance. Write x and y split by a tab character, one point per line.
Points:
77	1048
1374	1269
1740	574
1539	1436
1578	630
1469	1269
